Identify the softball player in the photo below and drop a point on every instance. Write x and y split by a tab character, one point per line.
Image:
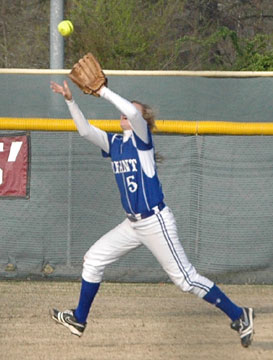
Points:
149	221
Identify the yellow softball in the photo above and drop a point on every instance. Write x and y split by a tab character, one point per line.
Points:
65	28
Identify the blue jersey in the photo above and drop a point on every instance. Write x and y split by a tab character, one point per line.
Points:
133	164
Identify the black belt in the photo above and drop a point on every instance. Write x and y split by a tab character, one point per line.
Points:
155	210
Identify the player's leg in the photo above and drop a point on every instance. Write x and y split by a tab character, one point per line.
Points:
106	250
159	234
164	243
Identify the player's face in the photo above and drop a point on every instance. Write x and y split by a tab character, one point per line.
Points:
124	122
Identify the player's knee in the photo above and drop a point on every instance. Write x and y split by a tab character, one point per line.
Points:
185	286
190	286
92	272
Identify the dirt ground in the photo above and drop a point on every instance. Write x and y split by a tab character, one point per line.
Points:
130	321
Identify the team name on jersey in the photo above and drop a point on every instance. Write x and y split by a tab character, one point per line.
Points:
123	166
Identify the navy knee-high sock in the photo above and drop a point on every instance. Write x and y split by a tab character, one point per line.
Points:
87	295
216	297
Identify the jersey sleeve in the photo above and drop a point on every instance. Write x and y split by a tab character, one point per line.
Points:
110	138
141	145
86	130
134	116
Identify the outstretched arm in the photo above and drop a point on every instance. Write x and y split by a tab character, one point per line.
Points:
134	116
86	130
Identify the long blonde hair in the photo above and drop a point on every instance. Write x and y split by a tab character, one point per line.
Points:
149	115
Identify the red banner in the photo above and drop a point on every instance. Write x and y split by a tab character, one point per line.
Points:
14	165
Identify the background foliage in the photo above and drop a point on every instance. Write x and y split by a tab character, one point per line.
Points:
141	34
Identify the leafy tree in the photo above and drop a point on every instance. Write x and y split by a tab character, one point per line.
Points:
126	34
24	33
254	54
143	34
226	51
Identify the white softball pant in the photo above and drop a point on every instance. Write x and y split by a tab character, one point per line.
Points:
159	234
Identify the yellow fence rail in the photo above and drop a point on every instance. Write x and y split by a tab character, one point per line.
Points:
163	126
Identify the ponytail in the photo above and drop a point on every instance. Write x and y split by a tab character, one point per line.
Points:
149	116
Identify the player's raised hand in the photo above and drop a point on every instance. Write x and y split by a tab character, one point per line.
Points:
63	90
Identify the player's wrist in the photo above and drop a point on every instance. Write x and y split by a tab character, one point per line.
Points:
101	90
69	101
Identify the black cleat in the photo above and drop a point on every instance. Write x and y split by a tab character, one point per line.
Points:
244	326
67	319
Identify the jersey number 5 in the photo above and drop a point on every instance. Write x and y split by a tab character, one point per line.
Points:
132	185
